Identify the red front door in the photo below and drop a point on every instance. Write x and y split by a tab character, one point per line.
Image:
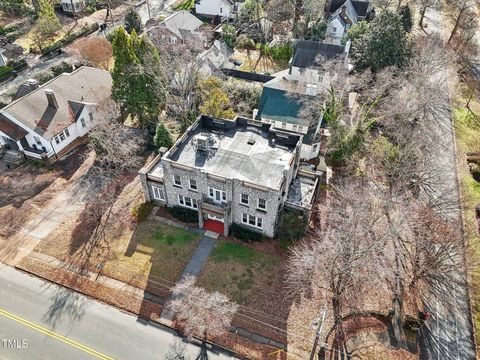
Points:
213	225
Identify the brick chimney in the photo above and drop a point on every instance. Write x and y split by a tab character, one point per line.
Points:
52	100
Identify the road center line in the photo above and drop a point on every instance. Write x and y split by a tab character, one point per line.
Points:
54	335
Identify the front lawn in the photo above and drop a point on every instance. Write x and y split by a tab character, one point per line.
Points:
252	276
156	251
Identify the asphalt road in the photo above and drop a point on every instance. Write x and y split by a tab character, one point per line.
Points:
40	320
448	333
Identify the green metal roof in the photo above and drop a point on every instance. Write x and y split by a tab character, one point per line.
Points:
276	105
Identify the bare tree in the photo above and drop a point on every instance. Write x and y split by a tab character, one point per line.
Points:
456	11
96	50
201	313
343	259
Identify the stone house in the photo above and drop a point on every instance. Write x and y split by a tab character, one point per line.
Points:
179	28
73	6
231	171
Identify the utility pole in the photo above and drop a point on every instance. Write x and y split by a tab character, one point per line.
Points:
318	330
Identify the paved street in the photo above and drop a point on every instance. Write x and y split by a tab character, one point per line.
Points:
55	323
448	333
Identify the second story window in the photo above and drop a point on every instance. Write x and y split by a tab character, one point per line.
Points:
177	181
244	199
300	128
82	121
193	184
284	125
262	204
158	193
295	127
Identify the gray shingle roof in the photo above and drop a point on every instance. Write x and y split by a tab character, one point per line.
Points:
307	52
84	85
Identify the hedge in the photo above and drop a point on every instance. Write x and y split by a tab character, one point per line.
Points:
184	214
5	72
18	65
87	30
245	234
292	227
141	211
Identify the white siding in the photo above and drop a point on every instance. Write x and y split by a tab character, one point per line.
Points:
335	31
213	7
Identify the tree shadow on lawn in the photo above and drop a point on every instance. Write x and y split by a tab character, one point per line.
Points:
89	238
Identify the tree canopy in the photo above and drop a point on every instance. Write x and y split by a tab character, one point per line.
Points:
384	43
131	88
132	21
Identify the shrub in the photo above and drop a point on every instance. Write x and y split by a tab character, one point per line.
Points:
61	68
281	52
245	234
184	214
162	137
141	211
292	226
5	72
57	45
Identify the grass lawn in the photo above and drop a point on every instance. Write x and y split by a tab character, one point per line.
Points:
467	130
156	251
252	277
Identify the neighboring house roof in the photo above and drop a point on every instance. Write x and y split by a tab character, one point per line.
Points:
278	105
307	52
216	56
350	14
361	7
181	20
11	129
85	85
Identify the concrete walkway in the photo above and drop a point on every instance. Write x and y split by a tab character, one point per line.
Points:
193	268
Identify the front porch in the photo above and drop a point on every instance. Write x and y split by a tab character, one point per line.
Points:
214	216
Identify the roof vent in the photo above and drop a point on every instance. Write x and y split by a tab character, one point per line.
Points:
202	143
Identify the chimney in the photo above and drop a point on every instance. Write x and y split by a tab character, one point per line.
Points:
32	83
52	101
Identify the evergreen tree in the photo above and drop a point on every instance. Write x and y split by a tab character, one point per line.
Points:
131	87
162	137
385	43
132	21
229	35
406	15
45	11
14	7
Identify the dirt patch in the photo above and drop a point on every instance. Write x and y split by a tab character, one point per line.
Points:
27	181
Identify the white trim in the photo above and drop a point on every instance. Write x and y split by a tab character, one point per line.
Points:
179	180
158	193
217	195
265	205
183	200
241	199
247	218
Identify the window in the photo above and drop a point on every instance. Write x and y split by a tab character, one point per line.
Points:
177	181
300	128
67	133
90	115
82	121
262	204
57	140
220	10
173	39
284	125
294	127
315	147
193	184
244	199
158	193
252	220
217	195
37	140
187	202
62	136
